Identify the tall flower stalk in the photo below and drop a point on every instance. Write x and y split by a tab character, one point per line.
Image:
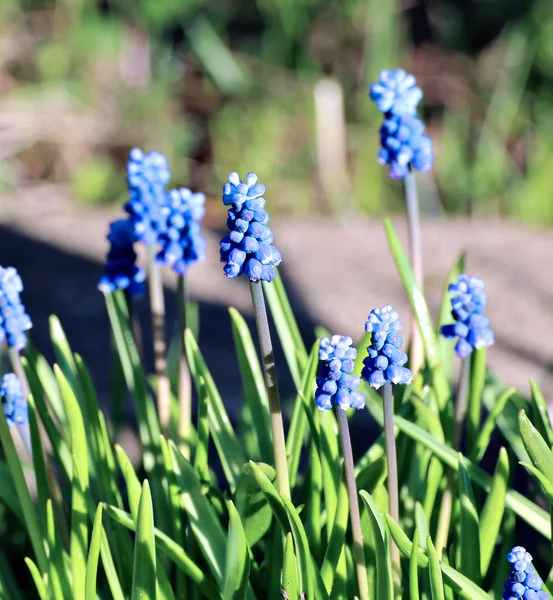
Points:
472	330
404	148
147	177
384	366
337	387
248	249
183	245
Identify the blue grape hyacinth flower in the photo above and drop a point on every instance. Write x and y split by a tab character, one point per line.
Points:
121	271
385	361
182	243
396	93
247	249
14	321
405	146
147	177
13	400
523	583
335	385
471	327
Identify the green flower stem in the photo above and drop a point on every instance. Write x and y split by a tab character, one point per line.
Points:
135	324
359	553
157	307
415	255
446	507
269	371
393	487
185	389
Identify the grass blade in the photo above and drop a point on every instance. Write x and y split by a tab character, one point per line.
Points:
93	555
289	581
414	570
39	584
540	415
469	529
436	581
237	567
144	568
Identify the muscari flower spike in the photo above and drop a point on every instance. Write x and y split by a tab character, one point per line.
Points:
147	177
471	327
13	400
404	145
385	360
247	249
335	385
121	271
182	243
523	582
396	93
14	321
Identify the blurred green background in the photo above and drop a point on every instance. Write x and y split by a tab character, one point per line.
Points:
280	87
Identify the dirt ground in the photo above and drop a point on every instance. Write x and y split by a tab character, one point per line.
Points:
335	274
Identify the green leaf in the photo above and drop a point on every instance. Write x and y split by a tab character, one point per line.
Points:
255	392
436	581
39	465
144	568
39	584
298	423
201	452
535	516
486	431
546	484
165	544
93	556
414	570
455	580
476	389
538	450
59	578
79	485
255	513
289	580
540	415
492	513
64	356
420	310
229	449
469	530
237	567
201	515
384	581
134	489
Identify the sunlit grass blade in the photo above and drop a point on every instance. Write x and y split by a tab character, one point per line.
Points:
201	515
201	450
79	485
483	439
166	545
39	583
493	510
229	449
298	423
535	516
134	489
289	581
39	465
469	530
420	310
237	567
462	586
144	568
59	574
384	582
414	570
64	357
539	414
476	389
93	556
540	453
255	392
436	581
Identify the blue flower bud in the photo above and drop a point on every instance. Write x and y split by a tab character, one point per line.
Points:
335	384
14	402
249	233
385	361
14	321
468	301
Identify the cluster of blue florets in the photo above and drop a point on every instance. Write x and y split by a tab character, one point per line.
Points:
471	327
335	385
523	582
247	249
13	400
121	271
182	243
147	177
385	361
404	144
14	321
